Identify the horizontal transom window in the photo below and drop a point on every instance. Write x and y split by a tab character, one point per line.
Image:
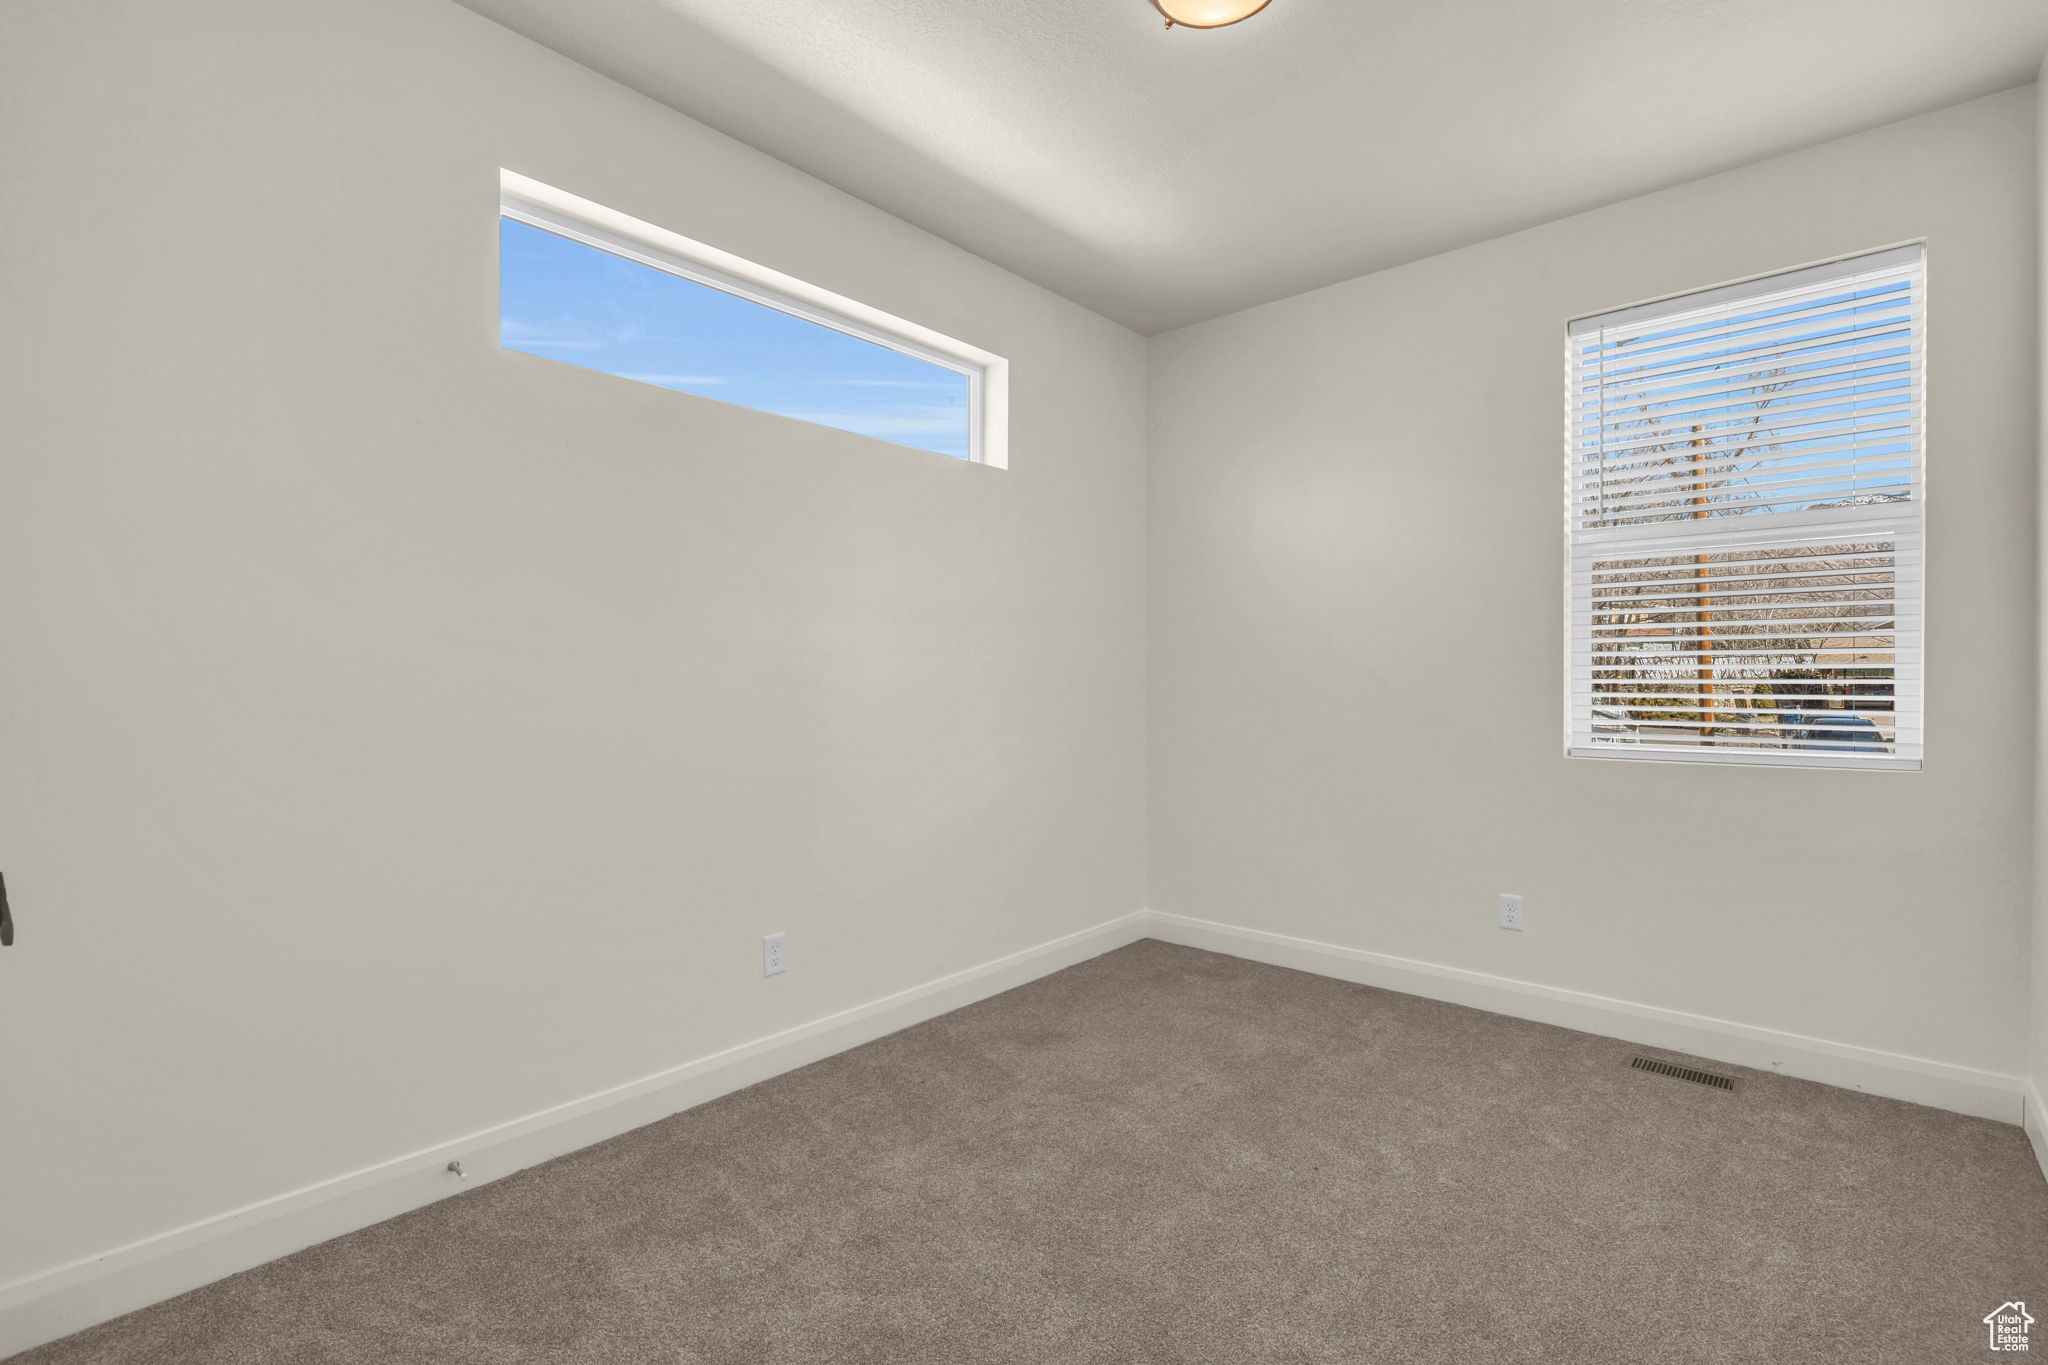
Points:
590	287
1745	491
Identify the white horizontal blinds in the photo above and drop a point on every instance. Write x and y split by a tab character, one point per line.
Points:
1773	400
1745	476
1791	650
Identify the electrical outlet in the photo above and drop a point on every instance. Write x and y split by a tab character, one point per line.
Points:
1510	911
774	954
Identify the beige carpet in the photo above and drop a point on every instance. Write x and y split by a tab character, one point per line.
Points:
1168	1156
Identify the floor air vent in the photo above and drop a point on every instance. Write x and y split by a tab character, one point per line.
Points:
1682	1073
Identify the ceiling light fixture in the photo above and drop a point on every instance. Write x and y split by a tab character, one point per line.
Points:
1208	13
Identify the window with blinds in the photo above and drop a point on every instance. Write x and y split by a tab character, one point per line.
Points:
1745	474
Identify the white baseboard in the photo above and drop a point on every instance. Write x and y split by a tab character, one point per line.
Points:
70	1298
2037	1126
1943	1085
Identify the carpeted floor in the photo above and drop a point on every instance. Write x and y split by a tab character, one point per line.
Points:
1168	1156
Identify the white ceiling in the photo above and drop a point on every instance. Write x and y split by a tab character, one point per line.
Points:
1165	177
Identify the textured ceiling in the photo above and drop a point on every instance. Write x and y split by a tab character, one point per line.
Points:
1164	177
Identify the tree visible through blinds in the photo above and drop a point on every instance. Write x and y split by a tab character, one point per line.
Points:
1745	483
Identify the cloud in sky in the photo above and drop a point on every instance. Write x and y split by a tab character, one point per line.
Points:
673	381
930	385
524	335
892	424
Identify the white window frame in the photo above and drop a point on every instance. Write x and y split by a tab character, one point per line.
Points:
528	201
1779	530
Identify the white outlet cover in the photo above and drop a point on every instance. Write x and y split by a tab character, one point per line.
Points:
1510	911
774	954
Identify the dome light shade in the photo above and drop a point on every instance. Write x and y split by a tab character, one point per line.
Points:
1207	13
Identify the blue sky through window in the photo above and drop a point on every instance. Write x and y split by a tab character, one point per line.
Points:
571	302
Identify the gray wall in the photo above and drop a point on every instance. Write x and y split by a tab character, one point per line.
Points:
404	735
1357	562
2037	1120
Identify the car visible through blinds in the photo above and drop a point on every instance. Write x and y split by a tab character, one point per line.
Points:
1745	477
